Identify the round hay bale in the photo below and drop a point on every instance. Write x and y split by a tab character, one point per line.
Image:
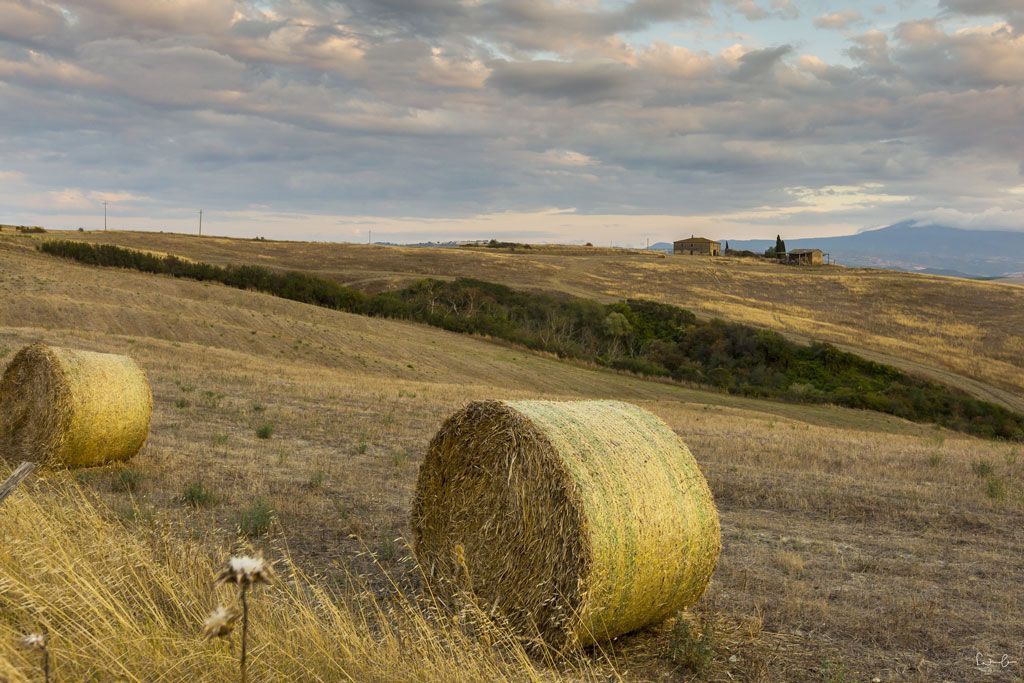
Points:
575	521
72	408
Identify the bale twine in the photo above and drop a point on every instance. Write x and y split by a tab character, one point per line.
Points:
71	408
575	521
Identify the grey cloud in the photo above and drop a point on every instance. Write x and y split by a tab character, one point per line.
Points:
757	63
980	58
519	24
189	16
28	21
981	7
872	49
753	11
1011	10
786	9
578	83
444	108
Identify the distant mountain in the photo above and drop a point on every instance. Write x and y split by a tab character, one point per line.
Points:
919	248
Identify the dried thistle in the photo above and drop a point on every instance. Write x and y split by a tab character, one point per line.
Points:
221	622
38	642
245	570
33	641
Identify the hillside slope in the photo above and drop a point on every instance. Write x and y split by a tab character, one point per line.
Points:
853	542
961	332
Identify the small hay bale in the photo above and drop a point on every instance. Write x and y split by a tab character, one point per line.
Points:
65	407
575	521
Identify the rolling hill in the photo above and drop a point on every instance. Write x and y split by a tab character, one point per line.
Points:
960	332
853	541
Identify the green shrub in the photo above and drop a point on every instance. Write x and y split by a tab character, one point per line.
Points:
197	495
265	430
388	549
995	488
983	468
256	519
316	480
833	672
692	649
128	480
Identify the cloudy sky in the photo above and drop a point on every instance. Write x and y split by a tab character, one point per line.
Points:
570	120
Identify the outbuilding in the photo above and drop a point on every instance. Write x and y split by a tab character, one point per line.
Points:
697	246
805	257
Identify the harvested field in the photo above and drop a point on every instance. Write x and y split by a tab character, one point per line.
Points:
854	545
963	332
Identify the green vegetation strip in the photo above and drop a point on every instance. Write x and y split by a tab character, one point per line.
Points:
644	337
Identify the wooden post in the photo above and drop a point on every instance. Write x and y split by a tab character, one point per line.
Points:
17	476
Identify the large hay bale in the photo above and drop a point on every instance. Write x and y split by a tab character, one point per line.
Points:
576	521
72	408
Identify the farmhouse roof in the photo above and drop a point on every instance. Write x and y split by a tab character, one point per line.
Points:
804	251
695	239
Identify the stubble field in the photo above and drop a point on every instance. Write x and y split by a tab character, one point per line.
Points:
855	545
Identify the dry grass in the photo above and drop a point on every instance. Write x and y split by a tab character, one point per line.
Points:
959	331
129	606
910	565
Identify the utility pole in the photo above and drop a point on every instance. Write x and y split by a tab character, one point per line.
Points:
104	216
200	222
369	240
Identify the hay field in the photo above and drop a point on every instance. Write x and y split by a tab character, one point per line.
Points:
854	545
957	331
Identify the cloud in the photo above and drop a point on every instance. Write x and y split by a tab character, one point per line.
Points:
188	16
521	25
785	9
838	20
42	70
308	115
756	63
28	21
573	82
973	57
1010	10
752	10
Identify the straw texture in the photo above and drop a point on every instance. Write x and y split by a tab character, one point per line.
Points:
72	408
574	521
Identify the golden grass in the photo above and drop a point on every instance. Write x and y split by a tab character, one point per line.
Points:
911	562
577	521
949	329
71	408
119	605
